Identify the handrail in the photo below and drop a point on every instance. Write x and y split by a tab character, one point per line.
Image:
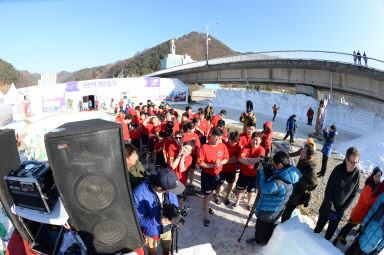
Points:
329	56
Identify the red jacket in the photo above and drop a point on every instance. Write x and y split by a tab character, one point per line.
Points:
266	137
366	200
310	113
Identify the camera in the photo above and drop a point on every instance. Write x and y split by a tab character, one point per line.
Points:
267	165
172	212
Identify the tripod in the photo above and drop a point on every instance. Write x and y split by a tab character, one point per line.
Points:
175	238
250	215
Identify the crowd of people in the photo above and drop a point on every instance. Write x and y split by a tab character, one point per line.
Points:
180	145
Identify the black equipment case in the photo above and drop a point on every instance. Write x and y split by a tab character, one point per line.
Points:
32	186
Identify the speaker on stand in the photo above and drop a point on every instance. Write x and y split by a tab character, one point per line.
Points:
88	163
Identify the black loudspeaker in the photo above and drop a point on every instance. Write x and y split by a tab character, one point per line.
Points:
88	163
9	160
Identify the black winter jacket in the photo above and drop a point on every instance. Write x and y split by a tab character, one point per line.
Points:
307	182
341	189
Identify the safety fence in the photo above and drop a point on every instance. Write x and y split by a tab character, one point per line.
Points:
308	55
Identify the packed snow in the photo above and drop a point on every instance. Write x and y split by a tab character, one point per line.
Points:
369	126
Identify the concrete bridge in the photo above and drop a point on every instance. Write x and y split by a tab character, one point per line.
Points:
309	71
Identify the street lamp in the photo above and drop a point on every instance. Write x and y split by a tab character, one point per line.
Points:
207	29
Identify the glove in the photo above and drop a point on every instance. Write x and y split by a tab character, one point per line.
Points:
335	216
243	114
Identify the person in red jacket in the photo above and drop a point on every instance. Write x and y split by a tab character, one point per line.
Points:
124	121
159	156
248	156
310	113
203	127
179	160
245	138
152	125
218	117
266	137
188	110
229	170
121	104
190	135
135	136
221	125
367	198
212	156
132	110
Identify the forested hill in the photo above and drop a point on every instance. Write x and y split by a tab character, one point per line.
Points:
9	75
147	61
193	44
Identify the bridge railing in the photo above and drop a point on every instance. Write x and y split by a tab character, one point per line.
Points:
328	56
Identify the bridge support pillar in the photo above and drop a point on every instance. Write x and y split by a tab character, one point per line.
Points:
307	90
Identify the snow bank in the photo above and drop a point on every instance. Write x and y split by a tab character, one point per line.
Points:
371	148
294	237
344	117
205	249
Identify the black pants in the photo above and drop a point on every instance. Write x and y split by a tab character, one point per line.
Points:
310	121
324	165
287	212
263	231
354	249
274	115
323	219
346	229
292	136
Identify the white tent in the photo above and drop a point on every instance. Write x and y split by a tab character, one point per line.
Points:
13	96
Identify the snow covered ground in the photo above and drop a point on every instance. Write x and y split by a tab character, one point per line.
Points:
362	129
227	224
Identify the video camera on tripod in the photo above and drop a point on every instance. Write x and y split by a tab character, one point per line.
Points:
173	214
267	166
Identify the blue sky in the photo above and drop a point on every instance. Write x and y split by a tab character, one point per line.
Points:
68	35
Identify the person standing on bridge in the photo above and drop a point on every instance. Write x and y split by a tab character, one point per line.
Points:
358	58
354	57
275	109
365	59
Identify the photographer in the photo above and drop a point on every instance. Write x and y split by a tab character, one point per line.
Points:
275	188
307	183
152	199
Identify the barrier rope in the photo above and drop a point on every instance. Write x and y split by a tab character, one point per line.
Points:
315	222
317	201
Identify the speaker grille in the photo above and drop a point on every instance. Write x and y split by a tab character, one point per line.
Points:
88	164
110	231
95	193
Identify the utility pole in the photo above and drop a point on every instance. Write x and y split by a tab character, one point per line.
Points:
207	30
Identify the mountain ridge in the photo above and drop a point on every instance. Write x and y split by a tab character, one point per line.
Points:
143	62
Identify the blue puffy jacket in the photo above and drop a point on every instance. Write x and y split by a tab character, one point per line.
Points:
373	236
329	138
291	125
148	208
275	192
